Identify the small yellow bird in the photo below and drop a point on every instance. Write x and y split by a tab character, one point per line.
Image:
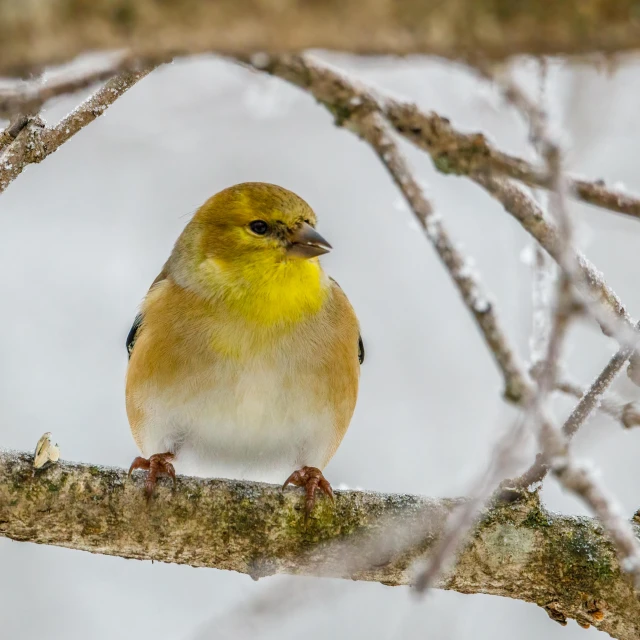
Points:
245	357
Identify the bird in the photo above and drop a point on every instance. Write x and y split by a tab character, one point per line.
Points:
244	358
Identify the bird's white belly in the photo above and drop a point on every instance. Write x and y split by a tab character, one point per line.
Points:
258	424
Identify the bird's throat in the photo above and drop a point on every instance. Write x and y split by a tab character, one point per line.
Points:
272	293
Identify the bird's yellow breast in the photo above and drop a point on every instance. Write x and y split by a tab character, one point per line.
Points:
268	293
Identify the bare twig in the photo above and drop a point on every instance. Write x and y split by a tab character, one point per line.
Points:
589	402
593	398
543	278
8	135
527	212
377	133
35	142
452	151
28	97
570	275
626	413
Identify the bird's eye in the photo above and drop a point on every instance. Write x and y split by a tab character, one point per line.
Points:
259	227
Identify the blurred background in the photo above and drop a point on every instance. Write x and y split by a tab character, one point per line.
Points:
83	235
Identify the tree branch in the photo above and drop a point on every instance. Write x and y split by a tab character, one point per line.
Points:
51	31
375	130
527	212
564	564
29	97
451	151
626	413
35	141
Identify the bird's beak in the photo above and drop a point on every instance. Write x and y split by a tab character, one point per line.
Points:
306	242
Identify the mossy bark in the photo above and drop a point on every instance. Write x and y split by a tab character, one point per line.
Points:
518	550
52	31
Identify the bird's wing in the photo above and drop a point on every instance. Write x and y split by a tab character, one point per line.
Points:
360	342
137	323
133	333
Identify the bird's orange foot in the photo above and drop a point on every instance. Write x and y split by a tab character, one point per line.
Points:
311	479
157	464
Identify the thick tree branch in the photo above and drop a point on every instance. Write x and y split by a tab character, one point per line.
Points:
452	151
564	564
51	31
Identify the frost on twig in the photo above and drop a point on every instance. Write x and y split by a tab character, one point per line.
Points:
626	413
544	274
27	98
526	211
35	141
372	128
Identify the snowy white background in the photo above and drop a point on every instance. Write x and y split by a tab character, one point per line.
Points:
83	234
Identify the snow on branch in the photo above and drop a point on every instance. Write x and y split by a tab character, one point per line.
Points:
34	141
29	97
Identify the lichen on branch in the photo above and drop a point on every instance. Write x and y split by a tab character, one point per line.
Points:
561	563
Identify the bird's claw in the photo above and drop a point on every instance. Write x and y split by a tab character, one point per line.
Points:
157	464
311	479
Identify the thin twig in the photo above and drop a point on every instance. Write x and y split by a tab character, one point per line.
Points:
10	133
589	402
29	97
543	277
35	142
377	133
527	212
626	413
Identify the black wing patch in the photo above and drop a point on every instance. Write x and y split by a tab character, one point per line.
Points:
360	343
133	334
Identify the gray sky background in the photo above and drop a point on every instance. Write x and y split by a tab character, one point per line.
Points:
83	234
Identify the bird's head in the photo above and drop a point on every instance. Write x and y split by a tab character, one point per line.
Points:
254	238
255	223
